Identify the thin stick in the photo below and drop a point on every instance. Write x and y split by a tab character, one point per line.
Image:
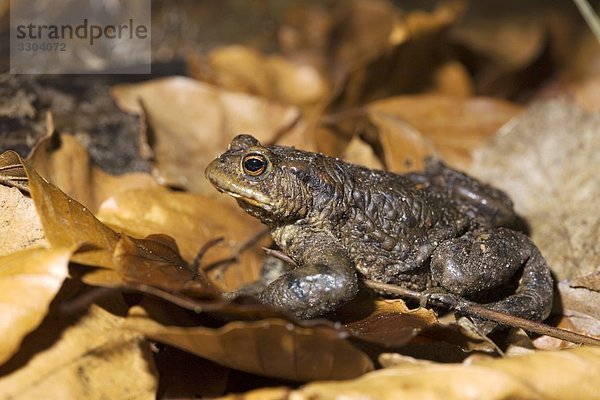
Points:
590	16
480	311
195	267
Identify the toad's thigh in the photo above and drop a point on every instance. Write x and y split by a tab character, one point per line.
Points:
479	260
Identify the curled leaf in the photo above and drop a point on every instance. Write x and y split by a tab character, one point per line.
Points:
20	226
270	347
29	280
193	122
192	220
91	357
64	162
536	376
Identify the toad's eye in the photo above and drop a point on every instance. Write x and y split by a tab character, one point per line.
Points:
254	164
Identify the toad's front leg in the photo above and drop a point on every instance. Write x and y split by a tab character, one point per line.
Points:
324	280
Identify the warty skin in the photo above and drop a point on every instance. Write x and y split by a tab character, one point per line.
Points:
439	231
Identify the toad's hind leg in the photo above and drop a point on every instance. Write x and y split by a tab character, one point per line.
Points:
482	263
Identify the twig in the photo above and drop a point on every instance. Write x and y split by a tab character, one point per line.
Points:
587	12
280	255
331	119
248	243
195	267
480	311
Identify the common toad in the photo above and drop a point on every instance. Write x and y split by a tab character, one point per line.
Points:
435	230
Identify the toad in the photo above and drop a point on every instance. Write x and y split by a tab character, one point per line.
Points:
439	230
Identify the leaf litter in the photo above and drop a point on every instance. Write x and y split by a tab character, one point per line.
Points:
330	88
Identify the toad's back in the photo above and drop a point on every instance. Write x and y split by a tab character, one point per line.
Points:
439	228
390	223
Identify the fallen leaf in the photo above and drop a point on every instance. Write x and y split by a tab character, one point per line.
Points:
193	122
511	49
153	262
20	226
29	280
510	39
536	376
591	281
359	152
270	347
68	224
191	220
413	127
92	357
376	39
388	323
582	307
547	161
62	161
243	69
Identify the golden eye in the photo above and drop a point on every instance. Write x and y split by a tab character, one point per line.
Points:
254	164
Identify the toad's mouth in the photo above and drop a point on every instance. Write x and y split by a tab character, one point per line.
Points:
244	195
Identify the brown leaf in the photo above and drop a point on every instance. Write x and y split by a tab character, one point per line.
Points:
90	358
244	69
359	152
62	161
29	280
376	38
391	324
582	307
591	281
536	376
11	171
152	262
270	347
193	122
412	127
191	220
388	323
20	226
509	37
547	160
68	224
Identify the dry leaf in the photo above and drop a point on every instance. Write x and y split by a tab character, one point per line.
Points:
193	122
155	261
192	220
359	152
412	127
591	281
582	307
62	161
93	358
510	49
536	376
29	280
388	323
270	347
509	38
383	52
547	161
20	226
69	224
244	69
